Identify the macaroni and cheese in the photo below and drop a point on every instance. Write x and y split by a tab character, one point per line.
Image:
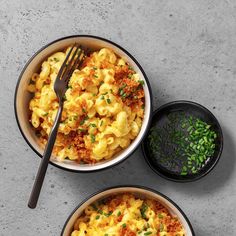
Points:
127	215
103	106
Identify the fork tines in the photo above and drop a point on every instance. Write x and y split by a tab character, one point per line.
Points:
71	62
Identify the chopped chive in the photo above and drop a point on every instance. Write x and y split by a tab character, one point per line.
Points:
83	120
123	86
109	101
121	92
124	95
108	214
148	233
100	211
143	210
97	217
119	213
92	138
141	82
124	225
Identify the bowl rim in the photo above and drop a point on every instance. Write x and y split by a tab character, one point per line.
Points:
129	186
211	167
112	43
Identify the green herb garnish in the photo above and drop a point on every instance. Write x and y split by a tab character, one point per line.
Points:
130	76
83	120
148	233
100	211
92	138
143	210
141	82
108	214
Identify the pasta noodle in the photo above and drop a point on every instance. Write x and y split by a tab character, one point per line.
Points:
103	106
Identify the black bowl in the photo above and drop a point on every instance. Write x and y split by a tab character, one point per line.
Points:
195	110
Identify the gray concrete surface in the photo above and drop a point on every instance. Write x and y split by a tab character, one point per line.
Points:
188	50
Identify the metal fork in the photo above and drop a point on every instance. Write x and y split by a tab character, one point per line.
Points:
60	86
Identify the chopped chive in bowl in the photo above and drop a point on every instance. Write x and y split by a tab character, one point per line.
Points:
183	144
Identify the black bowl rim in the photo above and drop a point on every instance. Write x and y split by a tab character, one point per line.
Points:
122	49
129	186
211	167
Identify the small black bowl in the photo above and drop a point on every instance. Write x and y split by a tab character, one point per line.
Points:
191	109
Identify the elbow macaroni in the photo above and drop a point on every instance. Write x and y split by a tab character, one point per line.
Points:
103	107
126	214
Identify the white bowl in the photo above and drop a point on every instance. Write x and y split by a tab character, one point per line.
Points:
142	192
22	97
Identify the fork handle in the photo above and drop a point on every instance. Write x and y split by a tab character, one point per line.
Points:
45	160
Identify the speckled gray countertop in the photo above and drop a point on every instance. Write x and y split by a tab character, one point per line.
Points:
188	50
